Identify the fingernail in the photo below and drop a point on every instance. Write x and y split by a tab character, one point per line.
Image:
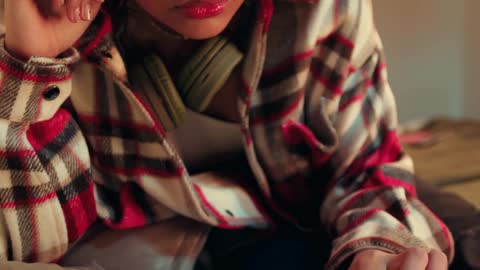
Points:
77	14
88	12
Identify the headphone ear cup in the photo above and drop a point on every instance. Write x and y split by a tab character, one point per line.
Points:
197	64
165	88
198	81
152	78
206	73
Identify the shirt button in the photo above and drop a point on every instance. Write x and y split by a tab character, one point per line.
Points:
51	93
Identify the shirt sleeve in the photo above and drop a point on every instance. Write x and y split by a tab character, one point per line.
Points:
46	194
371	201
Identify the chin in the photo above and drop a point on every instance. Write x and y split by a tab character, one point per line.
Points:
202	30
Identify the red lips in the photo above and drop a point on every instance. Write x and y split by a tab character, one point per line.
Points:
202	9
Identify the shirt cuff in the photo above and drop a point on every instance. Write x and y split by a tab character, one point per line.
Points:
384	239
33	90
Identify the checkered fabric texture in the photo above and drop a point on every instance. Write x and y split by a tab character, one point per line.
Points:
318	124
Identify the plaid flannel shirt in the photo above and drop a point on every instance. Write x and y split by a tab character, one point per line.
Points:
318	124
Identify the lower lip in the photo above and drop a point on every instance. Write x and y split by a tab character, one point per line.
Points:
200	10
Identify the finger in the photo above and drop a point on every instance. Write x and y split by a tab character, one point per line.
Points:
73	10
396	262
91	8
372	260
370	265
437	260
50	7
415	259
86	10
58	3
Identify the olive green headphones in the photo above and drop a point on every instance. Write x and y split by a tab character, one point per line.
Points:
198	81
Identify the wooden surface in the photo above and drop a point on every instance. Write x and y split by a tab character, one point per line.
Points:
468	190
451	158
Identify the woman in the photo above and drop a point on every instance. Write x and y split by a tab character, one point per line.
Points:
183	94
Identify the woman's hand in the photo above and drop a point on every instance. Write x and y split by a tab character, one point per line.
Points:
46	27
411	259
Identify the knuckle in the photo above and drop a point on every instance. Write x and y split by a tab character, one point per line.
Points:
364	258
442	257
418	253
360	262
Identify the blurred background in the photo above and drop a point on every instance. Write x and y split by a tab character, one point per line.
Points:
432	49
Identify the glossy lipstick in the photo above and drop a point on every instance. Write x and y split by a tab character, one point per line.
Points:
202	9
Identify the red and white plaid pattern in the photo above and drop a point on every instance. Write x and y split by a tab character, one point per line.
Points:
318	123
